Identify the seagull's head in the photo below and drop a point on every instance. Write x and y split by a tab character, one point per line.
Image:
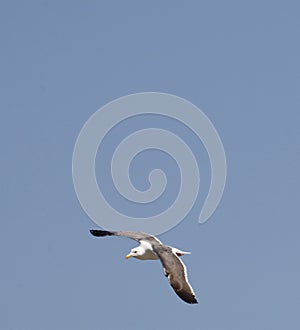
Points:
136	252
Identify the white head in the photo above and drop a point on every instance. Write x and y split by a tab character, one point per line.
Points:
136	252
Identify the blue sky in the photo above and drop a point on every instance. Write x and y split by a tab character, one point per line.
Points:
238	62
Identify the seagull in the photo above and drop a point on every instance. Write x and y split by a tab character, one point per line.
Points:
151	248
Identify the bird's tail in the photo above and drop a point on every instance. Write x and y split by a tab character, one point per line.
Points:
179	253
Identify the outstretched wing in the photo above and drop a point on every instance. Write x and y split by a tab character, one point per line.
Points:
175	270
137	236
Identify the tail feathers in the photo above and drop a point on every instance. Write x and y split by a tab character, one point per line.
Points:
179	253
100	233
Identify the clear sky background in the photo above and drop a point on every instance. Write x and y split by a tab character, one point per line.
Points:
239	62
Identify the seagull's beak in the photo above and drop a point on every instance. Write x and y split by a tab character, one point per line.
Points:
128	256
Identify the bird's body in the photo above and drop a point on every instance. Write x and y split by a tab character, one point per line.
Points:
151	248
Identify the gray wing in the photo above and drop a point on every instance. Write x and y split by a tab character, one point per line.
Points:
175	270
137	236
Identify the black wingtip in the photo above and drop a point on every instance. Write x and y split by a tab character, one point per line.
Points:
195	301
192	302
100	233
187	297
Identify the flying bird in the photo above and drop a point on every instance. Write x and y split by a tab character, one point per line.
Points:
151	248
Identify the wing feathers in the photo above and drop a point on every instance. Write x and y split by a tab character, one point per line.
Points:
130	234
175	270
